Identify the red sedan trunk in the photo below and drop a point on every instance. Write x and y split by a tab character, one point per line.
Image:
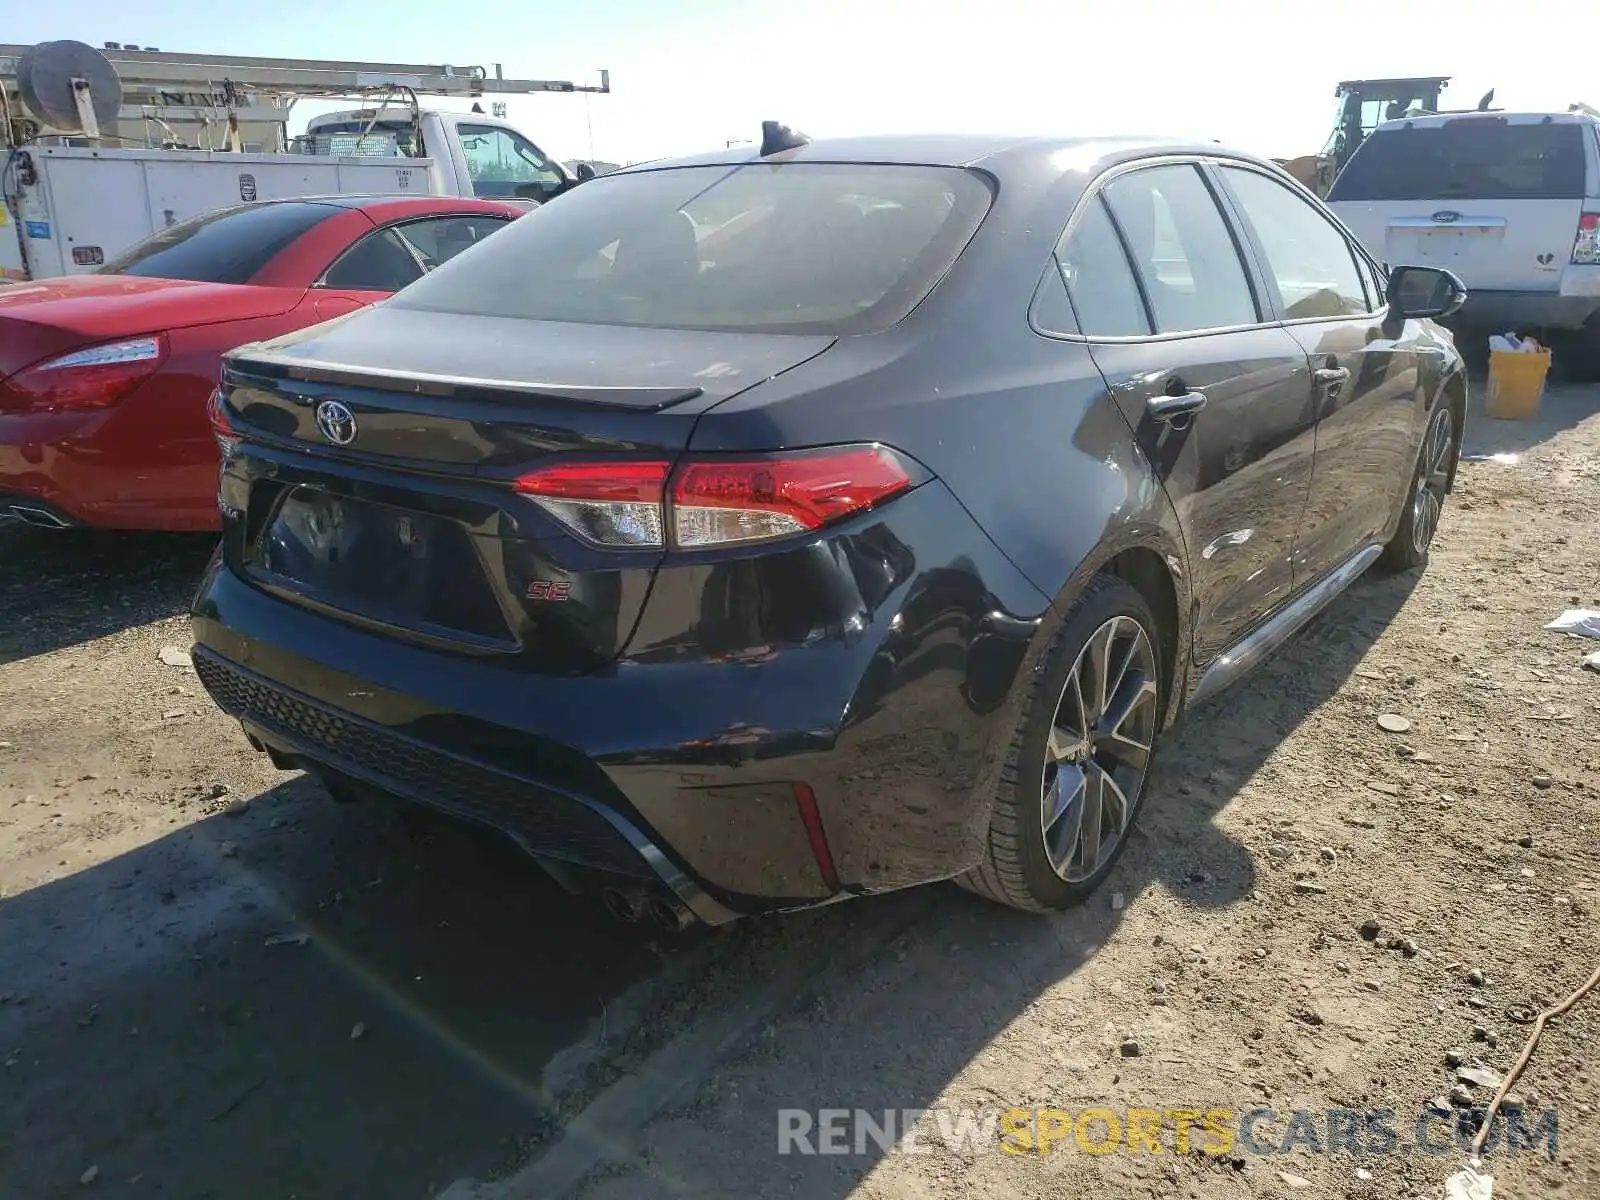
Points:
104	378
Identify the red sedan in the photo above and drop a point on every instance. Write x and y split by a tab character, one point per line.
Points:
104	378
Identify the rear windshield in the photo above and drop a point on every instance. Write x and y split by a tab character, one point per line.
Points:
361	139
772	248
227	246
1472	158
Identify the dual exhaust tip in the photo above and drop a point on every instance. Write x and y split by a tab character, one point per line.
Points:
633	905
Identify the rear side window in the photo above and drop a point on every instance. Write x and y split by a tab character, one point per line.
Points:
227	246
1105	296
766	247
379	262
438	240
1186	257
1470	158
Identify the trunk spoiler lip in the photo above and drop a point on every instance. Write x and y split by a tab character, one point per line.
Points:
292	369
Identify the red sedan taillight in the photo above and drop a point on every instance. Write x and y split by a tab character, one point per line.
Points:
97	377
714	502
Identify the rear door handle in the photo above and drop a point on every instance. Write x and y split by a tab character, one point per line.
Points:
1330	376
1175	408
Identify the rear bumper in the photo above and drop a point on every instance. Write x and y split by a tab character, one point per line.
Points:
33	470
671	763
105	469
133	466
542	818
1503	310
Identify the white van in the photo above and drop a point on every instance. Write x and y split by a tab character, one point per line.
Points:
1508	201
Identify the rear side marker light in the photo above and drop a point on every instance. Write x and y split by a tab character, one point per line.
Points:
811	817
96	377
715	502
1586	248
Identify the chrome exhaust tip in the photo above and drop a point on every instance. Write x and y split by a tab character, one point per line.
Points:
39	518
669	914
624	906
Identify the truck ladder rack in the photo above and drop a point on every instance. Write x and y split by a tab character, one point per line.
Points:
154	73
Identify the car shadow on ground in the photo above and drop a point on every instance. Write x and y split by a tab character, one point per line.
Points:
151	1032
938	1002
1563	406
79	585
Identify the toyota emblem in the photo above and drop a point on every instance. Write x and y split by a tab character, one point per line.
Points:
337	422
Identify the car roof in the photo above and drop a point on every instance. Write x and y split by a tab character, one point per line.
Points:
984	151
372	200
1435	120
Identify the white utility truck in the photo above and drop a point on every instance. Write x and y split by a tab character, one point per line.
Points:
98	150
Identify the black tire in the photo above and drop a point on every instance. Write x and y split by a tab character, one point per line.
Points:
1423	503
1017	868
1577	354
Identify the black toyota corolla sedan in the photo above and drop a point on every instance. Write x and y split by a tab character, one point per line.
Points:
761	529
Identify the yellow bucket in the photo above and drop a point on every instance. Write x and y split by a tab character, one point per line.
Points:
1516	384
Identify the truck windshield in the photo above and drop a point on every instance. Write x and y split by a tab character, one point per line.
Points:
503	164
1469	158
773	248
226	246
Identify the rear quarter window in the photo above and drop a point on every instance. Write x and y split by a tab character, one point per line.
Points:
1470	158
227	246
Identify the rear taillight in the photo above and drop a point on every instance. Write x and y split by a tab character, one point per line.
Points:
1586	247
221	427
715	502
94	378
718	502
609	503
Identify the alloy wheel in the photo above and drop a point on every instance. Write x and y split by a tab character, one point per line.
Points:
1098	750
1433	478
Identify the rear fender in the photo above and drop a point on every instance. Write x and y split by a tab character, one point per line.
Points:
1153	542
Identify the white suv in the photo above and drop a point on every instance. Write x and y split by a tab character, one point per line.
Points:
1508	201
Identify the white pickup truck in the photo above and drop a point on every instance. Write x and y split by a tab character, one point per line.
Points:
77	208
71	202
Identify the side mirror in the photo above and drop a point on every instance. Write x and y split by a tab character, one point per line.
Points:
1425	292
585	172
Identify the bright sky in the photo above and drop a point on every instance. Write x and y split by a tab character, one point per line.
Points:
692	75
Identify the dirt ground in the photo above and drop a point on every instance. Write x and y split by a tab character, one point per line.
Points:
451	1015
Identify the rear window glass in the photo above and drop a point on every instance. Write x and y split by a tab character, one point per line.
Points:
765	247
228	246
1473	158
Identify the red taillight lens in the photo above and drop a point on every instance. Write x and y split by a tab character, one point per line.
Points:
221	427
1586	247
609	503
94	378
715	502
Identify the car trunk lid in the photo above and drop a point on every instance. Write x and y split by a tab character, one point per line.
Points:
397	508
456	390
53	316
